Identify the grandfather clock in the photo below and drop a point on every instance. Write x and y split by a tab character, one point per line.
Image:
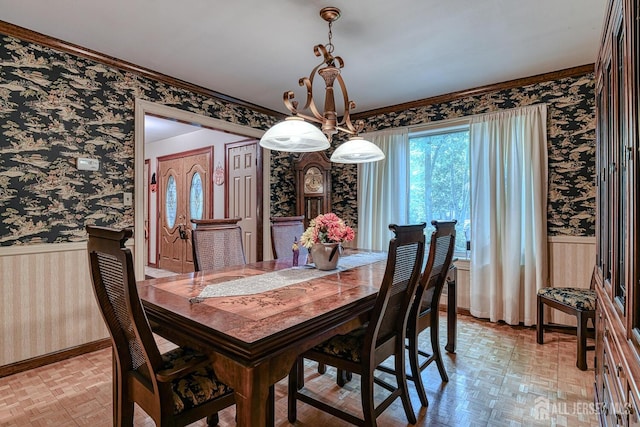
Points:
313	184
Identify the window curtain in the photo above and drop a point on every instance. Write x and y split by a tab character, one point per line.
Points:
508	213
383	198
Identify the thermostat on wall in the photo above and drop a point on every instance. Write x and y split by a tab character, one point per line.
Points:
85	164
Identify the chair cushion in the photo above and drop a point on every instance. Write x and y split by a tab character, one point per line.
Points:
195	388
348	346
579	298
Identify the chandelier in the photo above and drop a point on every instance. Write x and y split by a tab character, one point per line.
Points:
297	134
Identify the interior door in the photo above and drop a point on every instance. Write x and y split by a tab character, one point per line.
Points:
184	193
242	192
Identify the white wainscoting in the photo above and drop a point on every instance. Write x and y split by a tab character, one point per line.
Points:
571	261
47	302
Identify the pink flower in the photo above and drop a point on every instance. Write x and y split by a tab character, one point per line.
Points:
327	228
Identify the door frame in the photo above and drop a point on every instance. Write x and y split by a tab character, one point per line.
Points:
143	107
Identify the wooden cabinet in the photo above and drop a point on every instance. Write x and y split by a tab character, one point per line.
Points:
617	360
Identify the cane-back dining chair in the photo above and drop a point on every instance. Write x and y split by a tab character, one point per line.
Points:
284	232
579	302
364	349
175	388
425	312
217	243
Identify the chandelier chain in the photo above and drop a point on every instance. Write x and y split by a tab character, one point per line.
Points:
330	44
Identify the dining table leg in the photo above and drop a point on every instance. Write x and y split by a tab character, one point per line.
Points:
253	387
452	308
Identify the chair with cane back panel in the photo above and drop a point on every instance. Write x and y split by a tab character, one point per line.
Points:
175	388
217	243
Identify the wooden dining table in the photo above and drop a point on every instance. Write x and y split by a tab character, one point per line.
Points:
255	336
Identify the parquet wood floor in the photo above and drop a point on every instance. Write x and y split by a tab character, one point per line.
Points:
499	376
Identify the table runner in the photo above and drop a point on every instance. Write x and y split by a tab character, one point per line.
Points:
289	276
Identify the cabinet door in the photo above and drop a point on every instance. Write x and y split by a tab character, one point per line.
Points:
620	157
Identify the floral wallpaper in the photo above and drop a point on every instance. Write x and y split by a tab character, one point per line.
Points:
571	140
55	107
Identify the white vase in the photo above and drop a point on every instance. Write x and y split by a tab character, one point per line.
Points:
326	255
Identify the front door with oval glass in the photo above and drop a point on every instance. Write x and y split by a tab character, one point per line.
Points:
184	194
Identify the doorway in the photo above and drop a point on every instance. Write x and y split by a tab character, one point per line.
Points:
233	133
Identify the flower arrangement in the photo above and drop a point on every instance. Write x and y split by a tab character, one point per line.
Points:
326	228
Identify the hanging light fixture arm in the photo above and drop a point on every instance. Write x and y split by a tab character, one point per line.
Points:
329	120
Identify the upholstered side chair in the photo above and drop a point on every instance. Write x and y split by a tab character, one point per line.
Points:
579	302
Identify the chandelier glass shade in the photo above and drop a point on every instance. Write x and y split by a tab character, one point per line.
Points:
357	150
297	134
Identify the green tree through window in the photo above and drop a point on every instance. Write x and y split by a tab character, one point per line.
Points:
439	180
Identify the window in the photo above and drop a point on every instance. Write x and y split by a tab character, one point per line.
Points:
171	201
439	179
196	197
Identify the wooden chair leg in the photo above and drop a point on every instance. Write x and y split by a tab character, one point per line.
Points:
540	321
213	420
126	411
122	406
414	363
435	347
322	368
581	332
368	404
292	414
343	377
401	380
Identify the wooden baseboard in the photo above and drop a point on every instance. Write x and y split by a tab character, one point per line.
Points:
463	311
57	356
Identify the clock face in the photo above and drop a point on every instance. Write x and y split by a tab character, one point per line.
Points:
313	181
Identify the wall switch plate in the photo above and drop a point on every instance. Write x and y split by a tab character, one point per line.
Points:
127	199
85	164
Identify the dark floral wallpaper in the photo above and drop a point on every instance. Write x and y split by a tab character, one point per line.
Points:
55	107
571	140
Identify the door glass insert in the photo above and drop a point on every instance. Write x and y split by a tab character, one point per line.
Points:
171	201
196	197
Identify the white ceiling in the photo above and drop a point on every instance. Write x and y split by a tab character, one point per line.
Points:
394	51
157	129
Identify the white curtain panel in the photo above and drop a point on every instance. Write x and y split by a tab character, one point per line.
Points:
383	197
508	213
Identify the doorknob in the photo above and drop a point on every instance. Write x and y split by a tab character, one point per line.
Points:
182	232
